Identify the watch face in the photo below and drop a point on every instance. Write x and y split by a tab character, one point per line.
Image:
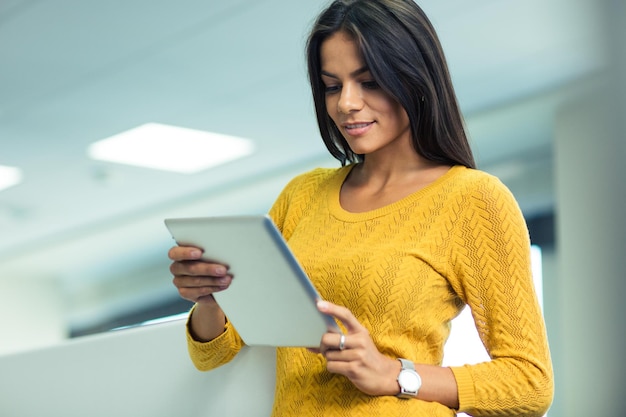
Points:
410	381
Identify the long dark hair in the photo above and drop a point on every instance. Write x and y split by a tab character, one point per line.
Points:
403	53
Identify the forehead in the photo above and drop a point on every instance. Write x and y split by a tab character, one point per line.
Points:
340	50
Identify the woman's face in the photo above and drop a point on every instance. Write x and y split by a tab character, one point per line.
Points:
369	119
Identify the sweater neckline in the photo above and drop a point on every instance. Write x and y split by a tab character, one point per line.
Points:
335	208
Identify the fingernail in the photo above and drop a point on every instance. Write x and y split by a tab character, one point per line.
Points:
220	270
322	305
196	253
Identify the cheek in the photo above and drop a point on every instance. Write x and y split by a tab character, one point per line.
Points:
331	108
404	119
400	115
393	110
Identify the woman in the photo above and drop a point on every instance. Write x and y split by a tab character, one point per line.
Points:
398	240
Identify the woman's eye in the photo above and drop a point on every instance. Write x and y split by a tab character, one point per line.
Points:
371	85
329	89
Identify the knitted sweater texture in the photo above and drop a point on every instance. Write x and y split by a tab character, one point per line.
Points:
405	271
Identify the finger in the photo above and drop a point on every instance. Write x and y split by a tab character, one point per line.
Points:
332	341
185	281
193	294
198	296
198	268
184	253
196	289
343	314
335	341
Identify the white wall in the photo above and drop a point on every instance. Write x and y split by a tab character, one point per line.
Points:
40	321
142	371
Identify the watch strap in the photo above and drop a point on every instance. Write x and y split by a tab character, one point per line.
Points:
408	367
407	364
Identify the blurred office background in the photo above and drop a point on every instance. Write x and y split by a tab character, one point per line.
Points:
82	242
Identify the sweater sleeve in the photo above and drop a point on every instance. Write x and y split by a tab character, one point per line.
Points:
215	353
492	273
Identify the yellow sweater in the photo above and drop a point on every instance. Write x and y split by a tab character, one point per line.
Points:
405	271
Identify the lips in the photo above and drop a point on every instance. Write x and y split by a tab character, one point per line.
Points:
357	128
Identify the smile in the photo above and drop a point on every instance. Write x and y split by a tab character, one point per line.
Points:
357	125
355	129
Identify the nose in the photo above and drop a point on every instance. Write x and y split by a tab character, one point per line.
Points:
350	99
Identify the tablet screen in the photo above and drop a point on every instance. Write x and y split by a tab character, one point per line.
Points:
271	301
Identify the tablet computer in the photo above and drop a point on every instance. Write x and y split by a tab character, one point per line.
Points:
271	301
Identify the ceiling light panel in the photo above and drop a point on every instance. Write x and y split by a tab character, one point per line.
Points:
170	148
9	176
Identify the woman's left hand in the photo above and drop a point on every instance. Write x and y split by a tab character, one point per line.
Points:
359	360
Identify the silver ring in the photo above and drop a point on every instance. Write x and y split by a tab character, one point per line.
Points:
342	341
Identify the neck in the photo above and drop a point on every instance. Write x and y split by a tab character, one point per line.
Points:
386	169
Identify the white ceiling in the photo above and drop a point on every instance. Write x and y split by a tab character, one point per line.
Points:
75	71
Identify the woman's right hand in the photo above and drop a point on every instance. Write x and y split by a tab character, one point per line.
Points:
195	279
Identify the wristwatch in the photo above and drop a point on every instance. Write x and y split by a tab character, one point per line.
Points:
408	379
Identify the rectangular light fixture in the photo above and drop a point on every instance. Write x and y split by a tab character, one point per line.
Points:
170	148
9	176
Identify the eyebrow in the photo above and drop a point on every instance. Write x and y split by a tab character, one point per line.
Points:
360	71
